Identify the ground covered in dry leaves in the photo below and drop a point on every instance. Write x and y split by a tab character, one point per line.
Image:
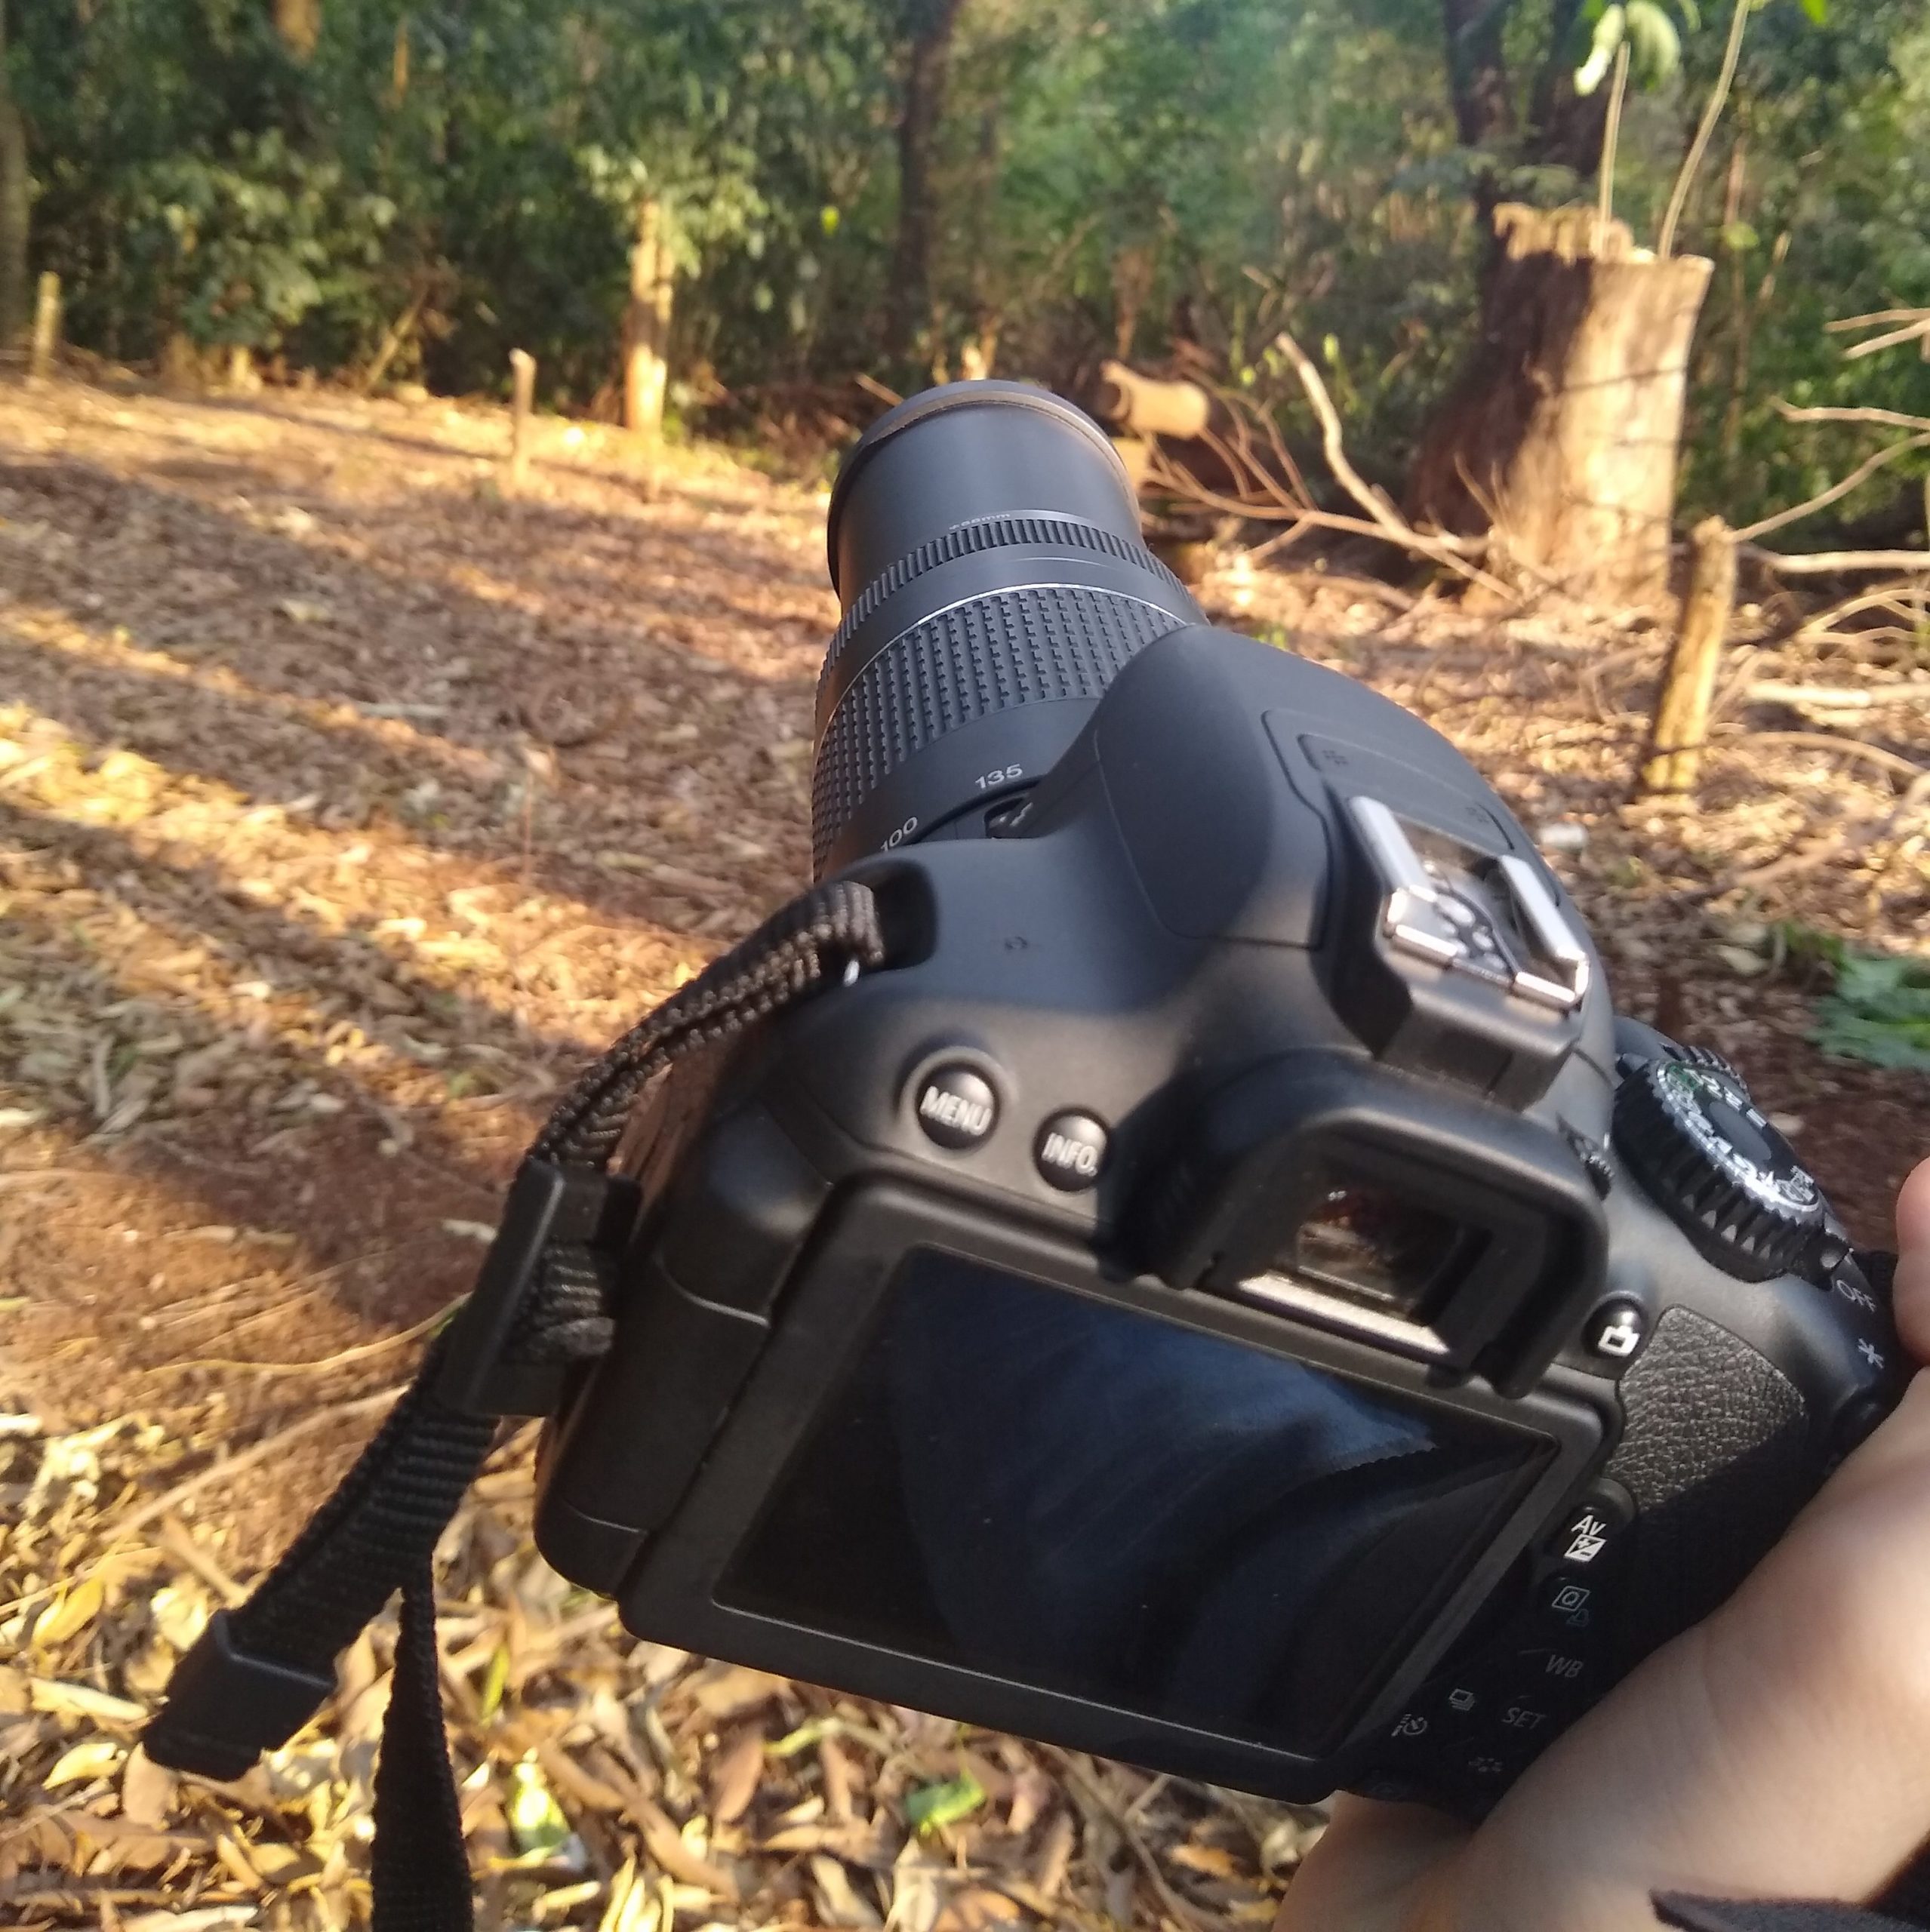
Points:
344	805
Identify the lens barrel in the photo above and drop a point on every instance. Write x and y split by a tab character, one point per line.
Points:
984	544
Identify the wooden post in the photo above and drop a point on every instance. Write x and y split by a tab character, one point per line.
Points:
647	328
1682	710
46	328
522	390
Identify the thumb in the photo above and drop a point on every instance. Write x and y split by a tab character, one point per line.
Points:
1912	1290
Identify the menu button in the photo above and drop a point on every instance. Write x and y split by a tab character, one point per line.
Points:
956	1106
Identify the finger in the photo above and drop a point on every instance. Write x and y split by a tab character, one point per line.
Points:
1361	1876
1912	1282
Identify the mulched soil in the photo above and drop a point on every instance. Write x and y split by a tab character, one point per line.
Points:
346	803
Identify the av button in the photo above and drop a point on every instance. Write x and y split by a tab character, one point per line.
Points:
1590	1535
1070	1151
956	1106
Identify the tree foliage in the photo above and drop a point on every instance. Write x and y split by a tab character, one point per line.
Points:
428	182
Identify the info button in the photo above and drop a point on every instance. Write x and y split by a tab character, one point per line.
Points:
956	1106
1070	1151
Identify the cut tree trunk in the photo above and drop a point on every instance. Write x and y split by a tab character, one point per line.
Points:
647	327
927	61
1561	436
1146	406
16	297
1477	70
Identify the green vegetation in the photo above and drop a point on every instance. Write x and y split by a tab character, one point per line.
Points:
1878	1011
363	187
1876	1008
931	1805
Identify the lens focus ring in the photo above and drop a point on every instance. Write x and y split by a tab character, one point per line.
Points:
1020	647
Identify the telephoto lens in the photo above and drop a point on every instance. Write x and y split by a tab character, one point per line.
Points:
984	545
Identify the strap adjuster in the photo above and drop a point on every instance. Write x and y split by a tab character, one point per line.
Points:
225	1707
547	1204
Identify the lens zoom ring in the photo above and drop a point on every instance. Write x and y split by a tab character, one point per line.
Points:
1011	648
990	532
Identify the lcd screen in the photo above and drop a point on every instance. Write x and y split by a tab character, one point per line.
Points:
1043	1486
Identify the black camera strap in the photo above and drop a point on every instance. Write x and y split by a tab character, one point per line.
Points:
542	1304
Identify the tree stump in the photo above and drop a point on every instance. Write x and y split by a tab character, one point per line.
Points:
1561	435
1682	707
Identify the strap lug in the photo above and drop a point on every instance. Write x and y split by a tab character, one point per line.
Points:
547	1204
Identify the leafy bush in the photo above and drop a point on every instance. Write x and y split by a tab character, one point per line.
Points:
1878	1011
254	244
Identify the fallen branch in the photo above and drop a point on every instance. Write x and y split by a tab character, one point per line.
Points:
1819	563
1887	599
1888	419
1839	845
1823	498
319	1364
270	1445
398	332
1370	499
1454	552
1914	327
1087	1788
1892	761
1665	240
1264	498
1859	697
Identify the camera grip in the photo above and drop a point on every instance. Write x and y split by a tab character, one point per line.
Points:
1716	1454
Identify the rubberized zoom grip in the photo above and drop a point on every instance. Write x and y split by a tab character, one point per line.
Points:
974	539
1037	644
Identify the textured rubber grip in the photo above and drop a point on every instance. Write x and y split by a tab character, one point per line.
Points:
965	539
1035	645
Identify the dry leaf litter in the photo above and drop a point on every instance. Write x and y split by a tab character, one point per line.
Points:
345	803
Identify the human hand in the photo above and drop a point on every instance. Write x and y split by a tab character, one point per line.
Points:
1780	1749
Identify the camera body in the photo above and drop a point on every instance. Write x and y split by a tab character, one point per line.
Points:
1229	1294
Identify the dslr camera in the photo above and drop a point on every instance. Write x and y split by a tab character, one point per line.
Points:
1230	1293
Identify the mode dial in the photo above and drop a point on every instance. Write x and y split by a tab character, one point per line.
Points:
1690	1133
